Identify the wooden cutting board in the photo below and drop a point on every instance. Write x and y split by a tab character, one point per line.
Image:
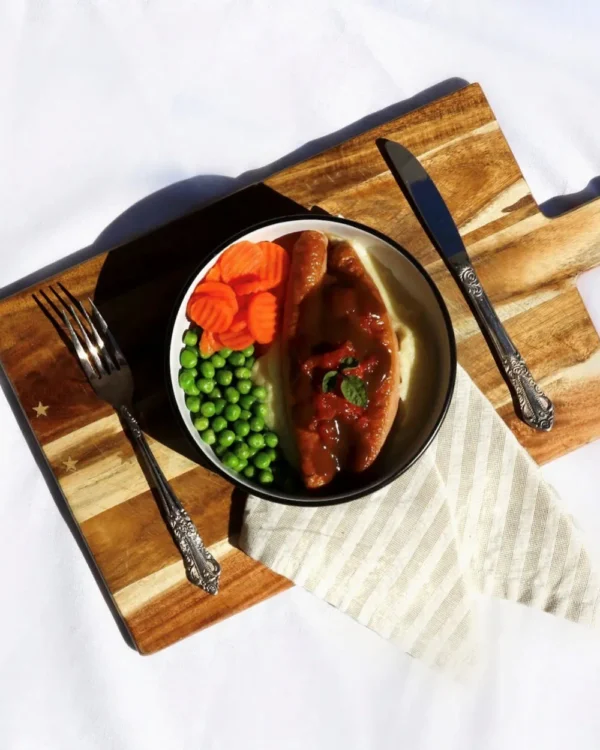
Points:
528	264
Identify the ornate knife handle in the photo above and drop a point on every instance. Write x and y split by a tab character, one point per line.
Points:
200	566
536	408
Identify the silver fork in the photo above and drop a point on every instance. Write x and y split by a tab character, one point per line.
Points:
110	376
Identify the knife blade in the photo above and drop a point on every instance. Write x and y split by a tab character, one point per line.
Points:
532	405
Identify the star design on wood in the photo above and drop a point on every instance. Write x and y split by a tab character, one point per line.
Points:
70	464
41	410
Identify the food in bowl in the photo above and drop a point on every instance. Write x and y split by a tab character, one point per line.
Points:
295	360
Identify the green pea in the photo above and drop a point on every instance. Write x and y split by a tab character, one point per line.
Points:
201	423
192	390
242	373
218	424
249	363
246	401
271	439
248	351
217	361
207	369
193	370
244	386
225	352
193	403
231	461
190	338
193	349
232	395
260	410
208	409
224	377
238	440
236	359
220	404
205	385
221	450
226	437
188	359
245	415
209	437
265	477
232	412
243	463
261	460
249	471
241	427
260	393
256	441
216	393
271	453
186	378
242	450
257	424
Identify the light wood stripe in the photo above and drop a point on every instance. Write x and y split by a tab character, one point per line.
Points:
107	478
139	594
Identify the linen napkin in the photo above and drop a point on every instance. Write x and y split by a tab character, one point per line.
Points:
472	516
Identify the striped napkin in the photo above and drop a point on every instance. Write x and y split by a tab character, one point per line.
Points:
473	515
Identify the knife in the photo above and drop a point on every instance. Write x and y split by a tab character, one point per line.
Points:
533	406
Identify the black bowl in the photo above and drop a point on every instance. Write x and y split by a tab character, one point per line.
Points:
429	336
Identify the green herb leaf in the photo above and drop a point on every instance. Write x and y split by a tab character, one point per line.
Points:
348	362
354	390
328	383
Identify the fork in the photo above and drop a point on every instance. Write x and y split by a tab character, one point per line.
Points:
108	373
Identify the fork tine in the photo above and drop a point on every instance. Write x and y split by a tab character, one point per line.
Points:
100	345
82	355
120	357
91	348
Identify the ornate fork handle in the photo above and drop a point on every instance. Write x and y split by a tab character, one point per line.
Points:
200	566
536	408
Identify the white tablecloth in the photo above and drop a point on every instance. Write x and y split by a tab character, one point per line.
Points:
103	103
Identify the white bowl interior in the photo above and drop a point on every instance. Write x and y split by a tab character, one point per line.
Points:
431	376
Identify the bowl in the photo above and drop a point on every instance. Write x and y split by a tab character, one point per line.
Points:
429	345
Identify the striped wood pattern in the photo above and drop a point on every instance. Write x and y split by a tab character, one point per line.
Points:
528	264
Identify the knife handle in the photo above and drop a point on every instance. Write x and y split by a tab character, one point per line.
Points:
536	408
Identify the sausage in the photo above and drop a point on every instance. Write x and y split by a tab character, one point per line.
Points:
381	411
301	319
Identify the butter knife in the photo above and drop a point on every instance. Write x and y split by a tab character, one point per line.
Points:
532	404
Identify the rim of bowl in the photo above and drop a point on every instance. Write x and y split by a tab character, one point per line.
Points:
337	498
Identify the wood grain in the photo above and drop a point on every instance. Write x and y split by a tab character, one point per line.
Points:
527	262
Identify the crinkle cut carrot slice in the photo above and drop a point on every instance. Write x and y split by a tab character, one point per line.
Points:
262	317
236	340
208	344
214	274
240	260
212	313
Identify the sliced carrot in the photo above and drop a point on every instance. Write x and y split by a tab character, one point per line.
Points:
240	321
262	317
236	339
208	344
276	263
214	274
214	314
249	285
215	289
239	260
272	272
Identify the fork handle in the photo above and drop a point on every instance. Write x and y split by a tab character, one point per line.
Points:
200	566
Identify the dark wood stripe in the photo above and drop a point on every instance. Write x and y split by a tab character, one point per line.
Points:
185	609
131	540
